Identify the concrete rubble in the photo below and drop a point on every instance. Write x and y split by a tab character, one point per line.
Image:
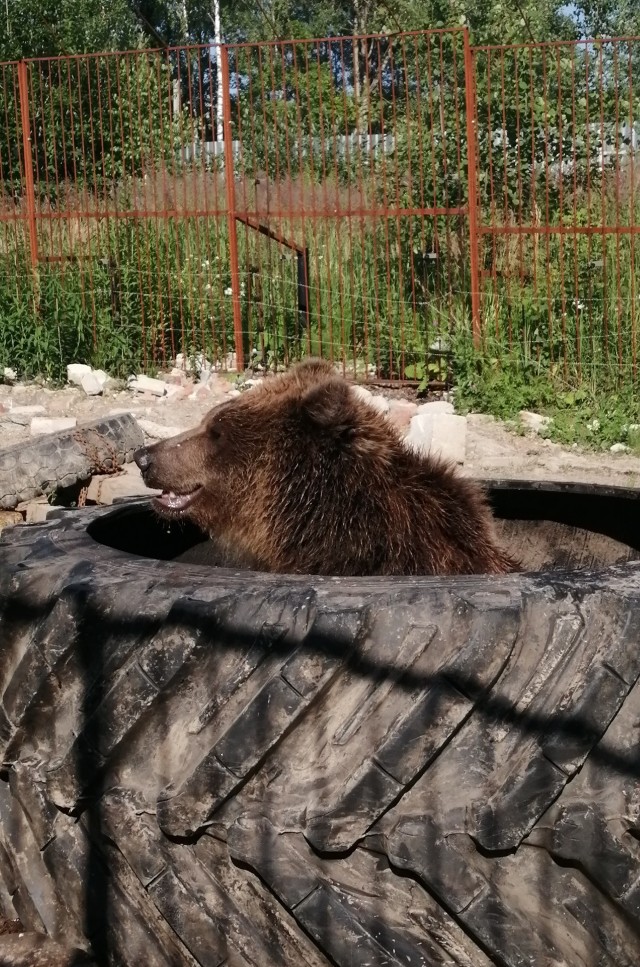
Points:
52	424
534	421
177	399
106	488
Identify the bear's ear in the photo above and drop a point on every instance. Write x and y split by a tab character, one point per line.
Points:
329	405
314	369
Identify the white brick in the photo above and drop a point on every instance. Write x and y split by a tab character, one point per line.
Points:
91	384
420	433
147	384
379	403
21	415
75	372
201	393
362	393
105	488
534	421
438	434
401	412
52	424
449	438
93	490
37	511
102	377
435	406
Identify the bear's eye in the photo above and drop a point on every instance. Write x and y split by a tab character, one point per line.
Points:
215	431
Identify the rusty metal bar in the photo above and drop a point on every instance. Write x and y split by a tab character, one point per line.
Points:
550	44
253	216
23	87
231	206
559	229
472	168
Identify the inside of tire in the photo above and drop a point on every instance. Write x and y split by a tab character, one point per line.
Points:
548	526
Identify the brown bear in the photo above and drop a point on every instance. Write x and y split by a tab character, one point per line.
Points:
300	476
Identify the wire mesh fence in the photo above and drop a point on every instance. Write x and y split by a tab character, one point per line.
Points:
353	159
560	203
378	200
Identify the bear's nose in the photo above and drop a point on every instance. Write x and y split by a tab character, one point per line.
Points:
143	458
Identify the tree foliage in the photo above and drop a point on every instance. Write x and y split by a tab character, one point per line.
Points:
48	28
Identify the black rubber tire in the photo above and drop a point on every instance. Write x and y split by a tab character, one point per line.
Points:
214	767
64	460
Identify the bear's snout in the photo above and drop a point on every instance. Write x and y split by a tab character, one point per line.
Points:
143	458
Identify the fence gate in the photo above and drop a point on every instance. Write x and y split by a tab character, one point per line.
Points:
349	198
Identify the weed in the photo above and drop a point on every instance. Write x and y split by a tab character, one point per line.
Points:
593	417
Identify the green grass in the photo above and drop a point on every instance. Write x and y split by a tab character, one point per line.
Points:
594	414
559	315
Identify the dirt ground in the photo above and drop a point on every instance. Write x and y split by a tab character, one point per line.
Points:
495	451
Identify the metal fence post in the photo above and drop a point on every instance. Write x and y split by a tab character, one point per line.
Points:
231	206
25	121
472	181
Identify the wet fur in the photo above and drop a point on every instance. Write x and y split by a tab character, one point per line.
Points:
300	476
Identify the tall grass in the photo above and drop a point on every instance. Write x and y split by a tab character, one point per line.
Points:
128	293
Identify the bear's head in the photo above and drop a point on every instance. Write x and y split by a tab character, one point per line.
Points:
250	453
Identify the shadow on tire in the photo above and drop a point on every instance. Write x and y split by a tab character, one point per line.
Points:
204	767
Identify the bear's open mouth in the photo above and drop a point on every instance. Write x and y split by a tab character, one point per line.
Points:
176	503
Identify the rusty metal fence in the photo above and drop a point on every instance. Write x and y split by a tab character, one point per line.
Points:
385	201
559	203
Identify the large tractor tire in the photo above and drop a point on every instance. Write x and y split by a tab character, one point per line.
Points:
211	767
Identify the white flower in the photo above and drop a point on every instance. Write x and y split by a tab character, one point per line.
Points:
228	290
